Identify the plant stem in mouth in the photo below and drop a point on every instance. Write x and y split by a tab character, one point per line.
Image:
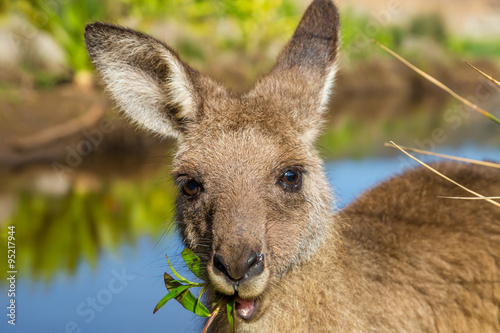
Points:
211	318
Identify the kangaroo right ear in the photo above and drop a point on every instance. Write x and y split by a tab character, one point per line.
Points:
305	70
147	79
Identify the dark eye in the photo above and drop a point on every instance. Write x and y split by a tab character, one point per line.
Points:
191	187
291	179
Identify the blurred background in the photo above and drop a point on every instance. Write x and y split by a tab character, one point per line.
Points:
90	195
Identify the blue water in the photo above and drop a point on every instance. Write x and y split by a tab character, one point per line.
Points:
120	293
349	178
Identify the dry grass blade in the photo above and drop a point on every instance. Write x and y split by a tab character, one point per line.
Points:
439	84
445	177
484	74
461	159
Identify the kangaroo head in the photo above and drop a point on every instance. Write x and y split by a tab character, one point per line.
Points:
253	199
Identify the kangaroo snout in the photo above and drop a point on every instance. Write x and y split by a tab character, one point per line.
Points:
241	268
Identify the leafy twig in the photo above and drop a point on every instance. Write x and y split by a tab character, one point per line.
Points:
179	289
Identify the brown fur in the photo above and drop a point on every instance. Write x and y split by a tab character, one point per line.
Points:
398	259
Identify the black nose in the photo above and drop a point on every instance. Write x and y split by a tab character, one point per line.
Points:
237	269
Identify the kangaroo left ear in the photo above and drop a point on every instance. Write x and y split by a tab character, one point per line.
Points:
307	65
149	82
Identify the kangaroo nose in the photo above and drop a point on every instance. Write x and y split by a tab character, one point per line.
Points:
236	269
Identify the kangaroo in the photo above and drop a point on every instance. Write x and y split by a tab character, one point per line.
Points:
255	205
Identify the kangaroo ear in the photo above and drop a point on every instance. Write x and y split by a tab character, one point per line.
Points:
305	70
147	79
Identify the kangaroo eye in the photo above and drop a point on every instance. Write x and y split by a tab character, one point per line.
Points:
291	179
191	187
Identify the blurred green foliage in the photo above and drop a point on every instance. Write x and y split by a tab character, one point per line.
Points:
474	48
57	233
428	25
357	32
359	29
64	20
226	24
252	31
351	136
3	6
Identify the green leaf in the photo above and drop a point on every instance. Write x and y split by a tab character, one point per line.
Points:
230	312
194	263
186	298
170	283
189	302
174	293
182	279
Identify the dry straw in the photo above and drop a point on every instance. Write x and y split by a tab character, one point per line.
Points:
455	158
484	74
477	196
440	84
480	196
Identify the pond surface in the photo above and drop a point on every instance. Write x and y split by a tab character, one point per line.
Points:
108	276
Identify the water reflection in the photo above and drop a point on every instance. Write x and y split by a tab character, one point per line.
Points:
60	223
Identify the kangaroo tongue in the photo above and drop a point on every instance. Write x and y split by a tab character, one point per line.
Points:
245	307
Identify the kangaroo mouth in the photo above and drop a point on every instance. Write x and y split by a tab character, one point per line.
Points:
246	308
